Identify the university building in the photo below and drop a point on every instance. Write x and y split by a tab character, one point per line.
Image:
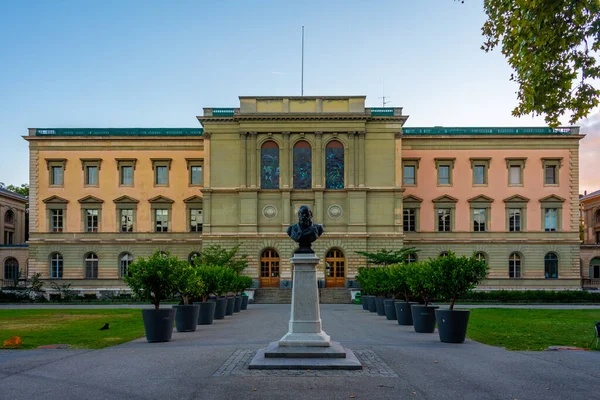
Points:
99	198
13	232
590	249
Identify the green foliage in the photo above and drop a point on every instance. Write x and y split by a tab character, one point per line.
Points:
388	257
64	290
154	279
217	255
242	283
454	276
188	282
373	281
35	283
210	275
421	281
398	280
228	281
533	296
23	190
550	45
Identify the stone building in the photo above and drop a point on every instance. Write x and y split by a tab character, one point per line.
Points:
590	249
13	250
101	197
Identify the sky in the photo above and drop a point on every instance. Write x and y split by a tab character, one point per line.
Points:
129	63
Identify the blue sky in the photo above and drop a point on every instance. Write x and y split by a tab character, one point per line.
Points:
125	63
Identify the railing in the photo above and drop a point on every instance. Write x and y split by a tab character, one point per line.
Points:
223	112
440	130
382	111
119	132
589	283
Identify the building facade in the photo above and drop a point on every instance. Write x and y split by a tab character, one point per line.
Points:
13	229
590	249
101	197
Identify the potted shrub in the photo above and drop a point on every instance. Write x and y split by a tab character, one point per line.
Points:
390	288
228	289
362	280
244	283
379	289
154	279
399	277
189	285
421	281
211	278
455	276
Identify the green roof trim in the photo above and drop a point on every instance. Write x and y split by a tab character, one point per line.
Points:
223	112
485	131
382	111
119	132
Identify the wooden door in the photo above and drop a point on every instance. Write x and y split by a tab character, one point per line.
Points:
335	261
269	268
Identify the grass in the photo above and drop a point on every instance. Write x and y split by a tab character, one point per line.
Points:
78	328
526	329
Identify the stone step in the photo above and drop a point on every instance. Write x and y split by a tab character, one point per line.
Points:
284	296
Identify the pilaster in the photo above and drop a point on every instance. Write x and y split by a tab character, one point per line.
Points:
361	159
243	166
318	161
286	161
254	172
351	163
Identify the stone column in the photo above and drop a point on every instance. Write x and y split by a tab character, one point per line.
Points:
305	318
318	161
355	159
243	173
253	168
286	167
206	199
361	159
351	164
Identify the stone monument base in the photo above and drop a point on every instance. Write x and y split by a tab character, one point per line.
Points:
308	357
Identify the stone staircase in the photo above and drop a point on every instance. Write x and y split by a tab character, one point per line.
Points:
284	296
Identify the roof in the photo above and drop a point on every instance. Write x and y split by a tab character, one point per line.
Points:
116	132
14	195
590	195
440	130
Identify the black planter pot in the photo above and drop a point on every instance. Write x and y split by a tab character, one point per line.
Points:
365	302
207	312
423	318
452	325
403	312
390	310
372	304
244	302
380	306
158	324
186	317
220	308
229	306
237	304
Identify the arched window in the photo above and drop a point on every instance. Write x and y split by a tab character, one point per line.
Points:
551	266
514	266
411	258
9	217
11	269
444	254
334	165
302	165
193	257
269	165
124	260
91	266
56	265
597	219
335	272
269	268
595	268
480	256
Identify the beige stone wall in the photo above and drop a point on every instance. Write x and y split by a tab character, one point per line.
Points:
17	227
20	253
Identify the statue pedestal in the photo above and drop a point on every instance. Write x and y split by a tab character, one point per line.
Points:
305	346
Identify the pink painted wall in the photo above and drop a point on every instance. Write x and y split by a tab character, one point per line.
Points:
497	188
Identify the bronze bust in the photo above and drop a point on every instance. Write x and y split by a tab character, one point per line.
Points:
305	232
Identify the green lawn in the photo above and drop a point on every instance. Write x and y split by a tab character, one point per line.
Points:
78	328
522	329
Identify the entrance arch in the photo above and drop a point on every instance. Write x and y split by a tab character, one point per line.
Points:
336	263
269	268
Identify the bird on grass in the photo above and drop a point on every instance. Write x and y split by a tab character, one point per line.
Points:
105	327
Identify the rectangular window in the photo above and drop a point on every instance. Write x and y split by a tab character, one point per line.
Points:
91	224
126	220
126	175
57	176
597	237
515	175
479	223
56	220
514	220
195	220
444	175
479	175
410	219
91	175
444	220
196	175
162	175
550	219
550	173
8	237
162	220
409	175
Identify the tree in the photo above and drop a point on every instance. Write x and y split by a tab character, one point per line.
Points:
550	45
155	278
23	190
388	257
217	255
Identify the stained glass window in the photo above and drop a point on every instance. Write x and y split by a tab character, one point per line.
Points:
302	165
334	165
269	166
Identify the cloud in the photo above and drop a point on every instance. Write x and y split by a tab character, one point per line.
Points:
277	73
589	154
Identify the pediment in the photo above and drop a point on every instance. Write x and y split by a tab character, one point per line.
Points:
480	199
552	198
55	200
193	199
445	199
125	199
516	199
412	199
90	199
160	199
